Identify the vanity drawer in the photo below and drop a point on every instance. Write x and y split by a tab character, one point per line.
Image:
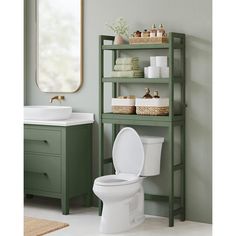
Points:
42	140
42	173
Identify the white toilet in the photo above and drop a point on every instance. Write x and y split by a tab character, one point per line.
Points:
122	194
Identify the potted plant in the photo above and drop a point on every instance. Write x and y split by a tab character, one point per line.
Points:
120	28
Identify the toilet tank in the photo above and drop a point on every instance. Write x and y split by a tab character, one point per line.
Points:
152	155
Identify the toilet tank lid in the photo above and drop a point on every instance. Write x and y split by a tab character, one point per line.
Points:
152	139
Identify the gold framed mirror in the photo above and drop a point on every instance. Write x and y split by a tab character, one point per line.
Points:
59	39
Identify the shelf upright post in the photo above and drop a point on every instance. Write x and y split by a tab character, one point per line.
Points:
171	76
114	95
114	87
182	176
101	101
171	131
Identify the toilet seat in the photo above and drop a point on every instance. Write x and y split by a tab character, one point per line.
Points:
116	180
128	159
128	152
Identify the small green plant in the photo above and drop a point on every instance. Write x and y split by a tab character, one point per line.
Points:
119	27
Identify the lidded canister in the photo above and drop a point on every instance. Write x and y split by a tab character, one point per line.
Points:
146	33
137	33
153	31
161	31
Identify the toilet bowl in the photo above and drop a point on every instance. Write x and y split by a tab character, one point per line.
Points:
121	199
122	194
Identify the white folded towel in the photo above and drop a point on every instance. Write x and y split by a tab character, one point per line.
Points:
126	67
127	60
131	73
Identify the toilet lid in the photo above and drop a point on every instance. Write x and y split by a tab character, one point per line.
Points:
128	152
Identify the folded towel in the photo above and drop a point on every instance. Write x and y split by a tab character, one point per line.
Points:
130	73
126	60
126	67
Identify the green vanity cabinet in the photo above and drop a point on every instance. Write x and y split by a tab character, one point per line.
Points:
58	162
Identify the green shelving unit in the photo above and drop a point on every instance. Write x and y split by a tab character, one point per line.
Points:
176	42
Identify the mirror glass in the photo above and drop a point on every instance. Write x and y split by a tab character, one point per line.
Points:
59	45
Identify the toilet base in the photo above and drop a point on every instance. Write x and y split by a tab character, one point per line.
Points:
122	216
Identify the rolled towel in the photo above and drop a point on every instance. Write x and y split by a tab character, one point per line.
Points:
126	67
126	60
131	73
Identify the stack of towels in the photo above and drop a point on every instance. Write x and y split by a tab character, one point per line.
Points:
127	67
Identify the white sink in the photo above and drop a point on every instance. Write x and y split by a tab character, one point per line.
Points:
47	113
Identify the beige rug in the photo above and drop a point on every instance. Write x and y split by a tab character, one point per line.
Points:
37	227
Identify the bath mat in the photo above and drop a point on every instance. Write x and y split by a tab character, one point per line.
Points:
37	227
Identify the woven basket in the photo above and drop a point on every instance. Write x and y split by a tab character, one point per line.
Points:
148	40
152	111
123	109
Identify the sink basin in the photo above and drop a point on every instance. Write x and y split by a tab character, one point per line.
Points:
47	112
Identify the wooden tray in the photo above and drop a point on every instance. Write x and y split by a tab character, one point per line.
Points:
148	40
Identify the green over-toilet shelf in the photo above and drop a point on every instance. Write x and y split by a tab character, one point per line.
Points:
176	42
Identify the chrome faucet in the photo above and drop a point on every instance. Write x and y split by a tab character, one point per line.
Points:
59	98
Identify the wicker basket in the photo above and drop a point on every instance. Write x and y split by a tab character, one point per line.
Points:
152	107
123	109
148	40
152	111
123	105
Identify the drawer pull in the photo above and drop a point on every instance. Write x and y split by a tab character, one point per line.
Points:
37	140
35	172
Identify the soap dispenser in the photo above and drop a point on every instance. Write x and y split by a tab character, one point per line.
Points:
147	93
155	94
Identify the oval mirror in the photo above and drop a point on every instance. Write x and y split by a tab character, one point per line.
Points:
59	45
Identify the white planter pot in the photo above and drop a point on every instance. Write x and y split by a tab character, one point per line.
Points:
119	40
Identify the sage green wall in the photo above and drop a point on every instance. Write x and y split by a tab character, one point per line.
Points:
194	18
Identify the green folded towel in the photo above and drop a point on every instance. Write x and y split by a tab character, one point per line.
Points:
126	67
131	73
126	60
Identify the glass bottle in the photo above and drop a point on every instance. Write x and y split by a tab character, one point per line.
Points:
156	95
147	93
